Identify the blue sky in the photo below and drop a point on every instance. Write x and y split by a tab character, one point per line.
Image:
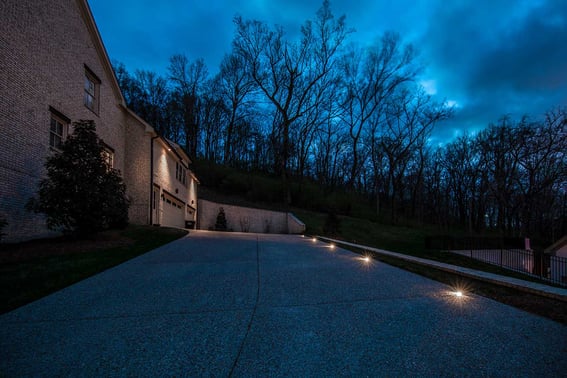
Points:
488	57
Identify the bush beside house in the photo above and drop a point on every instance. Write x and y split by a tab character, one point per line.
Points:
81	193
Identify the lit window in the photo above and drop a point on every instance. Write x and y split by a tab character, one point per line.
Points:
92	84
108	157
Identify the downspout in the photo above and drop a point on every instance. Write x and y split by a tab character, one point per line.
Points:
152	179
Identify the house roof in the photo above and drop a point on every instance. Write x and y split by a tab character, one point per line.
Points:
99	46
557	245
180	151
101	49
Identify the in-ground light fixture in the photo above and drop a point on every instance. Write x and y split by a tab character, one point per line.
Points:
458	293
365	259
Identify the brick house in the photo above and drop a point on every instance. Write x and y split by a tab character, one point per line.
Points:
54	70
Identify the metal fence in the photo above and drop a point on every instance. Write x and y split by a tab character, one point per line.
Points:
506	254
544	266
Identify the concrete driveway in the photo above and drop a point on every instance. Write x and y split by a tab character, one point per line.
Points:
228	304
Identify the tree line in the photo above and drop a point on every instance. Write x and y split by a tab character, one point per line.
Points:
353	118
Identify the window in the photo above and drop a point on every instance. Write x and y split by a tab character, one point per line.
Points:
58	126
92	88
108	157
180	173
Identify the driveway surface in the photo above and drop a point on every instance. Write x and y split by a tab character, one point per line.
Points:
229	304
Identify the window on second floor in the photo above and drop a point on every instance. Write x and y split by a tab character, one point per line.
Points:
180	173
92	90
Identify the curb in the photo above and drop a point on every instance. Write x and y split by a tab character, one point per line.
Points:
515	283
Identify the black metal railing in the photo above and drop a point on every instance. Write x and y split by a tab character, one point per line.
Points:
507	254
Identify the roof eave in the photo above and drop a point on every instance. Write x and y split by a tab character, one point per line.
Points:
99	46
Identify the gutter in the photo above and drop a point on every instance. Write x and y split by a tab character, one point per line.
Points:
152	178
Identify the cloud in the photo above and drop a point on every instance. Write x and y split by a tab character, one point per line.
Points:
498	58
492	57
531	57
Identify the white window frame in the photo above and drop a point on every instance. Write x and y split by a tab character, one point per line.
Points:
91	91
57	119
181	173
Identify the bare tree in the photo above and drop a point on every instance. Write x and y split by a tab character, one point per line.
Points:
188	79
212	114
330	150
540	153
287	72
497	143
371	76
462	163
410	117
235	86
150	97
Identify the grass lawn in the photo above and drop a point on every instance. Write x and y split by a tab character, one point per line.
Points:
31	270
411	241
401	239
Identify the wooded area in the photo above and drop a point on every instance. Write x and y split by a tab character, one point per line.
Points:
350	118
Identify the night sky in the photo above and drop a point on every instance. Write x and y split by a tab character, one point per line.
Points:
486	57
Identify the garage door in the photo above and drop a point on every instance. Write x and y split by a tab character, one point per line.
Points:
173	211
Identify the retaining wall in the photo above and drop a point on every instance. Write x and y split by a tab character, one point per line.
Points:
246	219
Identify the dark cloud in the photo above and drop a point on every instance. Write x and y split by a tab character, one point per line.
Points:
498	58
531	57
490	58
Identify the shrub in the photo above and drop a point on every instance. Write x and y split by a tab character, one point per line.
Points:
332	224
80	193
220	225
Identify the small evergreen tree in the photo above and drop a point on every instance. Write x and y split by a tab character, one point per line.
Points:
220	225
81	194
332	224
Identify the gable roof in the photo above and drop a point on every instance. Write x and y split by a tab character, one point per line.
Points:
557	245
178	151
99	46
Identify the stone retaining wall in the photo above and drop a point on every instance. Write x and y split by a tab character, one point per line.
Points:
246	219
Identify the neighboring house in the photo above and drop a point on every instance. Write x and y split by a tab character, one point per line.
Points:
559	248
54	70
